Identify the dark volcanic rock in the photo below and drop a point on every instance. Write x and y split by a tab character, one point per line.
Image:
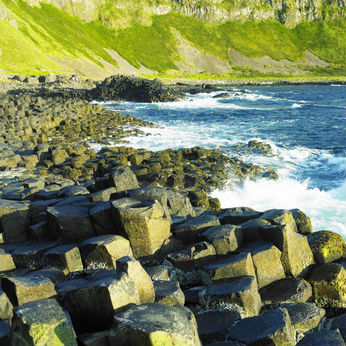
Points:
128	88
324	337
270	328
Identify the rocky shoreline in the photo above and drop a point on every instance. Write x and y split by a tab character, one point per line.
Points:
125	247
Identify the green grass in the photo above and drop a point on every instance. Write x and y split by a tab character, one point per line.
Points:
45	33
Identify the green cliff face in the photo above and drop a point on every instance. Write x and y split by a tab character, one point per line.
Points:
231	37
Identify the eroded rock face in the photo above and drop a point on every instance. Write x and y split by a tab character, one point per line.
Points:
155	324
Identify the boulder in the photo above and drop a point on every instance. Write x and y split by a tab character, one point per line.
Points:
290	290
169	292
323	337
225	238
41	323
192	257
14	219
327	246
190	231
213	325
70	222
91	303
30	254
237	216
304	316
228	267
240	294
103	251
157	272
145	225
267	262
302	221
65	257
338	322
155	324
282	232
270	328
21	290
102	219
6	261
328	285
103	195
124	179
5	307
136	272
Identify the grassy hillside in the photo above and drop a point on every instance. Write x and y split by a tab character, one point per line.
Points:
45	36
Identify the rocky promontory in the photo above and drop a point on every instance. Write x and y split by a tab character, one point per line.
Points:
125	247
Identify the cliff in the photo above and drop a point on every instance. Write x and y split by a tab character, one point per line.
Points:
101	37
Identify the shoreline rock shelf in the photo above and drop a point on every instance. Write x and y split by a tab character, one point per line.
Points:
108	257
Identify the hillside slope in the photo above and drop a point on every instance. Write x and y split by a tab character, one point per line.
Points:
99	38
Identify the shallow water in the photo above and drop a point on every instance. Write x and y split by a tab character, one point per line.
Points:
305	125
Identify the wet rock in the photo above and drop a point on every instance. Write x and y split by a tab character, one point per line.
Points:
40	323
323	337
267	262
14	218
328	284
237	216
136	272
239	293
272	328
124	179
228	267
65	257
104	251
190	231
91	303
145	324
304	316
291	290
225	238
303	222
169	292
327	246
145	224
21	290
213	325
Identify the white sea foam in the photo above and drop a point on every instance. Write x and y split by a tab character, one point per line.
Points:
325	211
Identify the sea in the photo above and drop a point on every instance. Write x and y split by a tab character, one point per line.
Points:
304	124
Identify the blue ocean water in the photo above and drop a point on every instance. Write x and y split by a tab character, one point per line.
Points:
305	125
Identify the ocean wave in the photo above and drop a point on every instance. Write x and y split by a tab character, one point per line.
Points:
325	209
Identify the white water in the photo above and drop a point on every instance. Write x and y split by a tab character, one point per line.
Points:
304	173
